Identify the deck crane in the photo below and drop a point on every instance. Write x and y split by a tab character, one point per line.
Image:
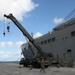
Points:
25	33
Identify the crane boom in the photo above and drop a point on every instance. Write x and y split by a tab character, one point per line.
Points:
25	33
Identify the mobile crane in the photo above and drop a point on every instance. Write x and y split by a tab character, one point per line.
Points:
25	33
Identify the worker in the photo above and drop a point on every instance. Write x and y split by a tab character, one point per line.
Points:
30	65
57	61
42	65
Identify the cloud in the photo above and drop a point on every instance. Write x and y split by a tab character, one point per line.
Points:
10	56
58	20
18	44
18	8
6	55
2	44
11	44
38	34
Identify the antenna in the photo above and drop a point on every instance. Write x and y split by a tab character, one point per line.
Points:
32	34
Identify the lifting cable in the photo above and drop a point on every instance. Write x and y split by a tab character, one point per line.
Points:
4	26
8	25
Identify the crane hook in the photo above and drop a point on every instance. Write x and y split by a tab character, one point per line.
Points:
4	33
8	28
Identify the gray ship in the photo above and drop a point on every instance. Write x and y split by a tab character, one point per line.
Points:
60	42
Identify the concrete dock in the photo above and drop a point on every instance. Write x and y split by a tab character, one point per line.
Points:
16	69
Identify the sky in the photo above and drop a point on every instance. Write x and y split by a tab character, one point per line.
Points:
36	16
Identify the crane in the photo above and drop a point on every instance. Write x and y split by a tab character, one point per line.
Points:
25	33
